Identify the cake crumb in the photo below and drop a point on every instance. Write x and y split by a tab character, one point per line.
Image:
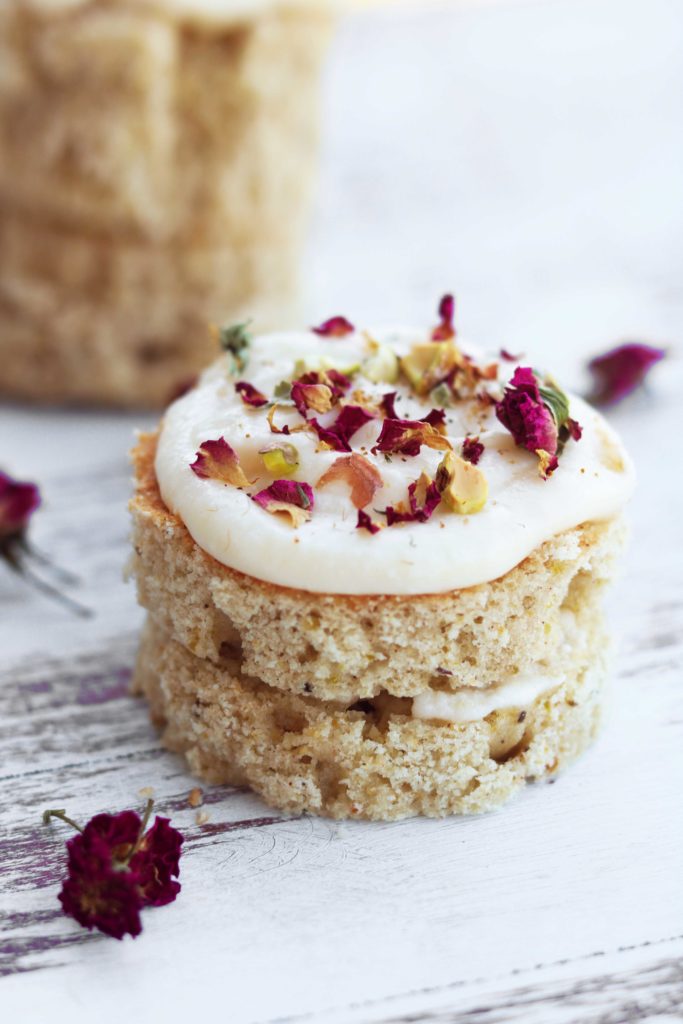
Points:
147	792
195	797
202	817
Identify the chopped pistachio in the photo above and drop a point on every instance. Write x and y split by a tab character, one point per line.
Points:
283	389
280	458
441	395
428	363
463	486
382	366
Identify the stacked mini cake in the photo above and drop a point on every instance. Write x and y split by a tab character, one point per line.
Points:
373	563
156	158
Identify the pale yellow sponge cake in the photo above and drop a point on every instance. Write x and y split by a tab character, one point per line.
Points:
156	162
373	562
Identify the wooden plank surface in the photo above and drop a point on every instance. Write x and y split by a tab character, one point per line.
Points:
529	156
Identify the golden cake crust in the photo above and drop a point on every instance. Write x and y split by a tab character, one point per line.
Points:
341	647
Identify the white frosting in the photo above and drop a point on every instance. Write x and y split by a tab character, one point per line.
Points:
327	554
470	704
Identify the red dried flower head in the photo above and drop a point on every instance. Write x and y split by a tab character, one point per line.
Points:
335	327
338	435
293	498
250	395
406	437
445	329
318	397
115	869
366	523
18	502
472	450
620	371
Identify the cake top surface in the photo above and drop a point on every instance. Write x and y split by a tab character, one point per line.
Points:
207	12
391	461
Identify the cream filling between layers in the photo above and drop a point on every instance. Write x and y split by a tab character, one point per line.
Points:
328	554
470	704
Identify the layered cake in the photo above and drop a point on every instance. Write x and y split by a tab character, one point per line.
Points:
373	564
156	158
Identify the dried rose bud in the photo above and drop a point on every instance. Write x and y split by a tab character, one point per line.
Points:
291	497
620	371
537	415
335	327
217	460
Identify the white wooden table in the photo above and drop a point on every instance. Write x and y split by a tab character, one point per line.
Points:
531	157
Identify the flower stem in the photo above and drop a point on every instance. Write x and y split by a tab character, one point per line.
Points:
145	821
62	815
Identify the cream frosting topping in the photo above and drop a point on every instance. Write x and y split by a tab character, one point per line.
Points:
328	554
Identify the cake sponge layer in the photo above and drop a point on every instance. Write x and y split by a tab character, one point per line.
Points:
303	754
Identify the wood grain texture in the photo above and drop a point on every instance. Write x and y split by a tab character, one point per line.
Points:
530	156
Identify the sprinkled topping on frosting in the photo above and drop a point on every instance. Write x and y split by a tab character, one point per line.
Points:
217	460
335	327
338	435
280	458
472	450
364	522
250	395
462	486
423	499
294	499
406	437
236	340
363	478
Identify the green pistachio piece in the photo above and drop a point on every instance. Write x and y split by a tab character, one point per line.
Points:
463	486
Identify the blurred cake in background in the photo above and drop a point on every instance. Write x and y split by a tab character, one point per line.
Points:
156	161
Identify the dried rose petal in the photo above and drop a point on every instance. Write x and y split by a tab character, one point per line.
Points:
216	460
366	523
289	496
359	473
388	405
508	356
437	419
338	435
472	450
318	397
423	499
250	395
406	437
335	327
620	371
18	502
445	330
